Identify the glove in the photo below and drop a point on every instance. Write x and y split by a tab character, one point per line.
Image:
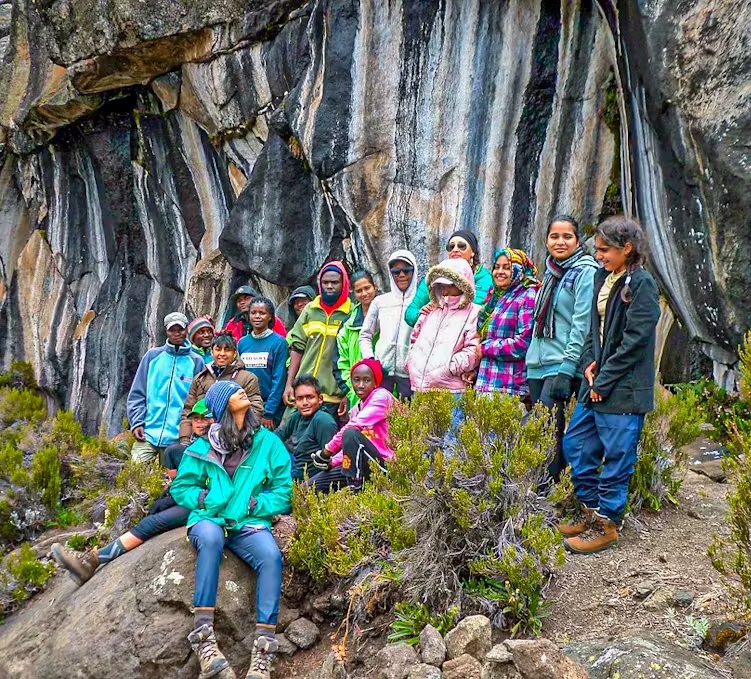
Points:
561	387
320	459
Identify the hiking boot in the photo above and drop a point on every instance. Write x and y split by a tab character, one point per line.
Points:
601	534
80	570
578	523
264	650
210	658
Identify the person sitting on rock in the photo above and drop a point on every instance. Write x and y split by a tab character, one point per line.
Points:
602	437
297	301
164	514
313	338
225	366
265	354
234	482
156	398
309	428
200	334
239	325
363	443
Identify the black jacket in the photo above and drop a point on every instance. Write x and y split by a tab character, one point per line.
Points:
625	374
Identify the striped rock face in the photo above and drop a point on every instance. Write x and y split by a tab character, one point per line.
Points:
155	155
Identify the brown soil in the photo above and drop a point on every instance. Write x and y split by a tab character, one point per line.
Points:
595	596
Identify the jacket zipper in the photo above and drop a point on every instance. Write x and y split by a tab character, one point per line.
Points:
323	346
430	353
169	396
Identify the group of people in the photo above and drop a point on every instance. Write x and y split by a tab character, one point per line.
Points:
235	415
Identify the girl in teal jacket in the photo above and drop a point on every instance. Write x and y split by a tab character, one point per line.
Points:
233	483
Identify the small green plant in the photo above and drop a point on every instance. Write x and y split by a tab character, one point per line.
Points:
411	619
79	543
22	573
45	476
699	626
21	405
20	376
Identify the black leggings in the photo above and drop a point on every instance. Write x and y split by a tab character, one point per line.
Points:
359	455
539	390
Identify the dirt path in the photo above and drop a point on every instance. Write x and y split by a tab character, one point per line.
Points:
594	596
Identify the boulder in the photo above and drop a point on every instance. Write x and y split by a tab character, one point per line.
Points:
473	635
131	620
432	646
722	633
424	671
542	659
302	632
286	647
499	664
660	600
395	661
286	616
463	667
647	657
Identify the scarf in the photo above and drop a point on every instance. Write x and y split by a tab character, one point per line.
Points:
554	272
523	271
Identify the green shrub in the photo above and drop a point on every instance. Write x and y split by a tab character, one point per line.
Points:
410	619
22	574
661	463
137	485
20	376
21	405
446	516
45	476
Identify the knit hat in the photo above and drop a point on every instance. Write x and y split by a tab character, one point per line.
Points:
468	236
218	395
374	365
198	323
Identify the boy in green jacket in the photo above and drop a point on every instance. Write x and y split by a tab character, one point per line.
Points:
233	483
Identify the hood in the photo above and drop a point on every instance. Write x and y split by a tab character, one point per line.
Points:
457	271
406	256
344	296
306	290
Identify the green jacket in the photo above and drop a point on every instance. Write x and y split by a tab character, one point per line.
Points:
347	352
483	285
314	336
263	474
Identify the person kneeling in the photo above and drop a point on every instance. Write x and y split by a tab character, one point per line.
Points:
233	483
363	443
164	514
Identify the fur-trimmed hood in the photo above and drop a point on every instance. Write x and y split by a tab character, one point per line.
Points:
457	271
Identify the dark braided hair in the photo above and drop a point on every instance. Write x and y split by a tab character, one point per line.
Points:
618	230
269	306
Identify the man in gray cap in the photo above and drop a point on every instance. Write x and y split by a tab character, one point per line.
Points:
162	381
239	325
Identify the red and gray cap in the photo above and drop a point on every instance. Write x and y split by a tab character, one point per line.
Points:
175	318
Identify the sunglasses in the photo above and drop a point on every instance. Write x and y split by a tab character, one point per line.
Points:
456	245
405	270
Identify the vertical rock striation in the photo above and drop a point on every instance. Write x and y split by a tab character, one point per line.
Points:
154	154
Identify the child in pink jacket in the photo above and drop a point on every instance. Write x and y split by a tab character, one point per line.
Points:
444	344
362	443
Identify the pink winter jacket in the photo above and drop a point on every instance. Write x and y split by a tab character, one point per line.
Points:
445	341
370	418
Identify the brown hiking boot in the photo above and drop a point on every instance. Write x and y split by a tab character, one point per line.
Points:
264	650
210	658
601	534
578	523
80	570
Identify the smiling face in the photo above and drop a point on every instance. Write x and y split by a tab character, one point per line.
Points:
611	258
331	283
562	241
299	303
260	318
176	334
364	291
200	424
203	337
238	402
458	248
402	272
363	381
307	400
223	355
502	272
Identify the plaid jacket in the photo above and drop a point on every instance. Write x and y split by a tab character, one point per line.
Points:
502	367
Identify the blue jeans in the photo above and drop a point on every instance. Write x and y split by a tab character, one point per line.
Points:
602	440
256	547
156	524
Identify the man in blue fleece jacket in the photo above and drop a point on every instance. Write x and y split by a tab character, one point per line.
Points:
162	381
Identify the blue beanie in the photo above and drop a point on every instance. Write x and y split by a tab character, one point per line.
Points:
218	396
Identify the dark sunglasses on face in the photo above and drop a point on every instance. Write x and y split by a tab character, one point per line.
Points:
456	245
405	270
